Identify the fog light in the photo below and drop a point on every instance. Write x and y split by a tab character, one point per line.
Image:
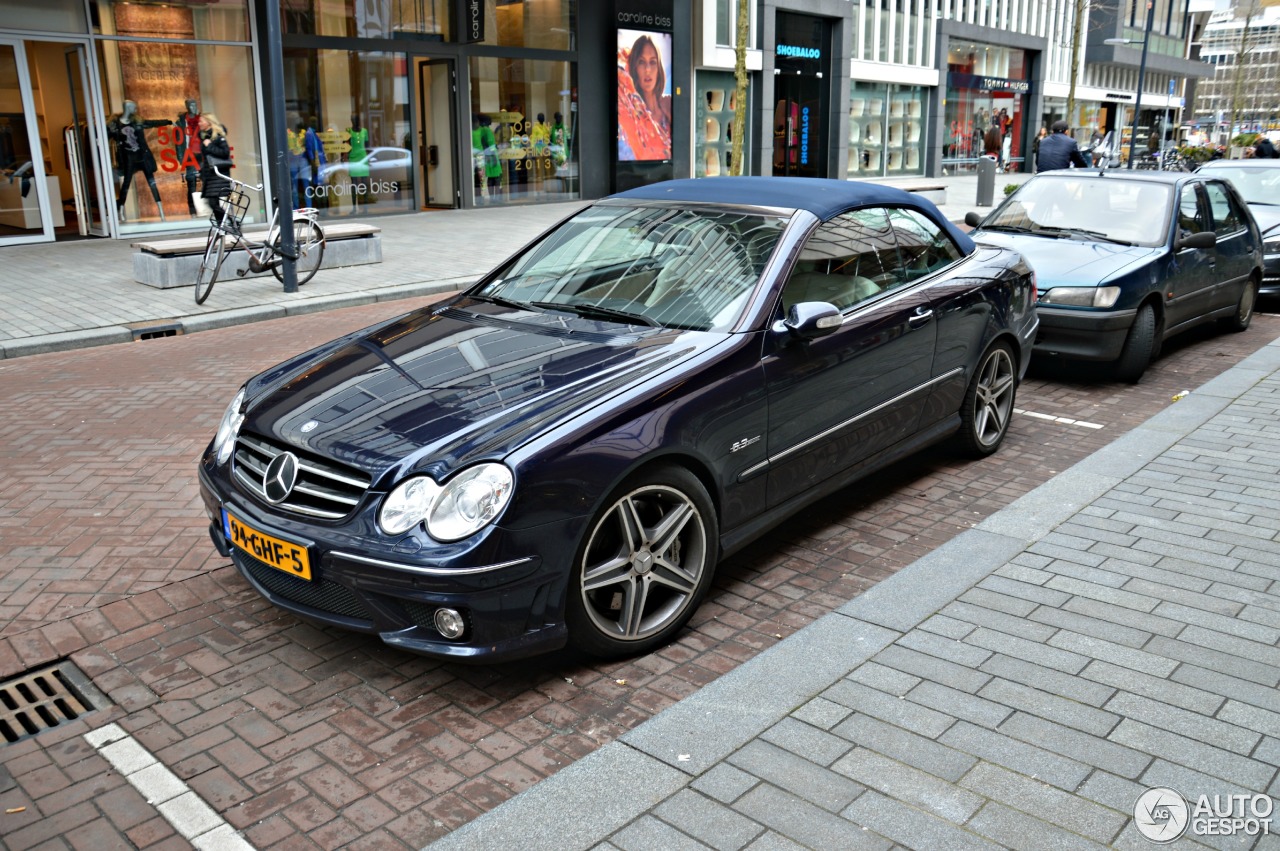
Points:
449	623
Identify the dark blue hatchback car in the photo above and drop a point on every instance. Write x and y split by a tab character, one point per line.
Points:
1126	259
563	452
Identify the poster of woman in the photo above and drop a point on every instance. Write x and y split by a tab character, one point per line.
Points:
644	96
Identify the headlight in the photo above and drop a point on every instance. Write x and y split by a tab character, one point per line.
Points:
1082	296
407	505
462	507
225	440
1271	246
469	501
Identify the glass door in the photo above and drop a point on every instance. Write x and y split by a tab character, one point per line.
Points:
437	88
83	152
24	186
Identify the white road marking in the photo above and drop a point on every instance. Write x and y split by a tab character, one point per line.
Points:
1063	420
198	822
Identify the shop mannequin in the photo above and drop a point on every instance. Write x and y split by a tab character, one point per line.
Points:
133	155
188	144
358	163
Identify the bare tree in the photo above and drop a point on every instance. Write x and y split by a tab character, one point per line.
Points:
1249	9
1077	38
740	75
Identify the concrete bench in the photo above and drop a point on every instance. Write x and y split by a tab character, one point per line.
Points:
168	263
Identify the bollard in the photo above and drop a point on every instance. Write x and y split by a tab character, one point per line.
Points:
986	180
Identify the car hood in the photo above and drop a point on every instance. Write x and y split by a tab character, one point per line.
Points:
441	387
1072	262
1267	216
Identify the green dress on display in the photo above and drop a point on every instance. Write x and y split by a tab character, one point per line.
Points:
358	156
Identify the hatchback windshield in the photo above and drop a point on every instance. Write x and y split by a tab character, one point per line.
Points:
661	266
1133	212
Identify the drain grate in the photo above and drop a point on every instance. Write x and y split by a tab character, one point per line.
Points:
156	332
41	700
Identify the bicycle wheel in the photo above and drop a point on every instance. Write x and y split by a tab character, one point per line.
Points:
214	253
309	240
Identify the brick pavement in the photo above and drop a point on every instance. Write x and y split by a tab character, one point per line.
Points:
301	737
1021	686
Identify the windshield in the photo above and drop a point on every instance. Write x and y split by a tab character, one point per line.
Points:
1257	185
1132	212
661	266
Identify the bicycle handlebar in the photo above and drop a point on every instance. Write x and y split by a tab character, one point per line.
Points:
257	188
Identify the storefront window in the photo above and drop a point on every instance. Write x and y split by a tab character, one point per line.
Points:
986	87
545	24
366	18
713	127
523	131
149	89
348	130
63	16
227	20
885	130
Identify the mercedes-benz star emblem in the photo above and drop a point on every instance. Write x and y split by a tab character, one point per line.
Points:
281	475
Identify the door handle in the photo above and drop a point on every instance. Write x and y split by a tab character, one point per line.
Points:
920	317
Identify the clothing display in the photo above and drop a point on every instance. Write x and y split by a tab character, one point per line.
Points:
188	146
133	155
358	156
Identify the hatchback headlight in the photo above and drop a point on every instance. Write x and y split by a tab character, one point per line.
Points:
1082	296
461	507
225	440
1271	245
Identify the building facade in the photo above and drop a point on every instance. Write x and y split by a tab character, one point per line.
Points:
1248	87
395	107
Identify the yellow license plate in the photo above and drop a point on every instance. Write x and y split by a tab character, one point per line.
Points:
268	549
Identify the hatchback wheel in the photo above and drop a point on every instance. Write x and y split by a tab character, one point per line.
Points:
988	404
645	565
1239	321
1139	346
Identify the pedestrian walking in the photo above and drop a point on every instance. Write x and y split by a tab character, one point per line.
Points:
1058	150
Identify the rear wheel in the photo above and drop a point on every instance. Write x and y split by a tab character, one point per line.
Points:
309	240
1139	346
645	564
214	253
1239	321
988	403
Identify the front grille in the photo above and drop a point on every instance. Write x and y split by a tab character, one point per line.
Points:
323	489
319	594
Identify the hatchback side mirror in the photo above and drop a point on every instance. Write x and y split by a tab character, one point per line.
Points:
972	219
810	320
1204	239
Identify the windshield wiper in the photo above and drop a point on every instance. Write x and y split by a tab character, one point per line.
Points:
499	300
1009	228
1096	234
597	312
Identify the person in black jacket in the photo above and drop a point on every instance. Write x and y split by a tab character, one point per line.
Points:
1058	150
1265	149
215	156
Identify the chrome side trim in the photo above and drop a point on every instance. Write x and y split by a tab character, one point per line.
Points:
772	459
429	571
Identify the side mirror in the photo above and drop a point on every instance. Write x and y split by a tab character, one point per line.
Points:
972	219
1204	239
812	319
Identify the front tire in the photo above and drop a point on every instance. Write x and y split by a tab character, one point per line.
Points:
644	566
214	253
1139	346
308	239
988	404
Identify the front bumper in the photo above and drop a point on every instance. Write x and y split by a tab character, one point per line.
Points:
1090	335
508	585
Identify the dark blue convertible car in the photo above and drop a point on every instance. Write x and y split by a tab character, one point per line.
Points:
565	451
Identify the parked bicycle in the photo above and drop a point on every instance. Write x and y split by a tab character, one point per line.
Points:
225	236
